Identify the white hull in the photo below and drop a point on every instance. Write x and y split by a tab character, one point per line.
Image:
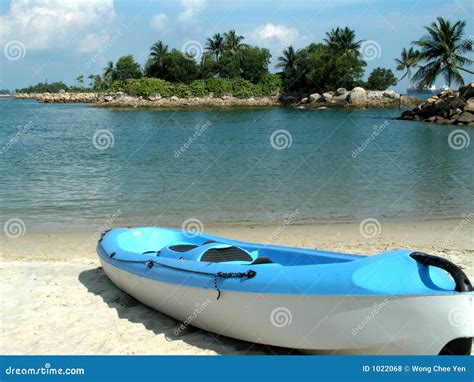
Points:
312	324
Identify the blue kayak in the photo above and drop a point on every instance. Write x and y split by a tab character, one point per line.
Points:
396	302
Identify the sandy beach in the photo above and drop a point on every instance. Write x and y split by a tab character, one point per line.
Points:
56	299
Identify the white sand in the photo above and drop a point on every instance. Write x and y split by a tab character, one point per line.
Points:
56	300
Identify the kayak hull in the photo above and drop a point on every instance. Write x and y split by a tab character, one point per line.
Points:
326	324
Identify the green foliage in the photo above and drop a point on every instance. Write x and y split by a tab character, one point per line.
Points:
254	63
380	79
238	87
443	52
125	68
318	68
53	87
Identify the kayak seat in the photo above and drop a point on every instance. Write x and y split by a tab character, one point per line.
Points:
221	255
182	247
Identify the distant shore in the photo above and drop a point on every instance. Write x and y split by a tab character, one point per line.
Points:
53	287
341	98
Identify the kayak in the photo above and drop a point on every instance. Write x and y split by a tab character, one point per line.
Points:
317	302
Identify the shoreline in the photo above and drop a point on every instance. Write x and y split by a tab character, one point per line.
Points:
358	98
54	288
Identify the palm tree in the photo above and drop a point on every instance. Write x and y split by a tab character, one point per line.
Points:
158	55
442	51
215	45
80	80
108	73
407	61
233	42
288	60
91	79
343	41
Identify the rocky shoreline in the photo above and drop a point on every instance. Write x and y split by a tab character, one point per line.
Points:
341	98
448	107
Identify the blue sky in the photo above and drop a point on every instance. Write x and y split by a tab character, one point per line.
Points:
60	39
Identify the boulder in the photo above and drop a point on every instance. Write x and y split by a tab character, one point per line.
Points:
467	91
465	117
326	97
154	97
341	91
118	95
174	99
314	97
305	100
358	97
469	105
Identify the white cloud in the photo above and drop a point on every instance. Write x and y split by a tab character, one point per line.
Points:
270	33
45	24
93	41
191	10
159	22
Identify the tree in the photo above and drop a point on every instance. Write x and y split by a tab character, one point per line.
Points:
254	63
407	61
80	80
108	74
343	41
233	42
98	82
288	63
155	66
442	51
91	80
380	79
215	45
180	68
126	68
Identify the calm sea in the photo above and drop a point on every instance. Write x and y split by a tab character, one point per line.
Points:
73	165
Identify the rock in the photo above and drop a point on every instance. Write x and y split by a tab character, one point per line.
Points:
154	97
108	98
174	99
469	105
62	91
391	94
432	99
314	97
341	91
305	100
465	117
326	97
467	91
118	95
358	97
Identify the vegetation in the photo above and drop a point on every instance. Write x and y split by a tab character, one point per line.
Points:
380	79
53	87
441	53
230	66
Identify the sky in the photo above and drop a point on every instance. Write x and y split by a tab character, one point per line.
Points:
57	40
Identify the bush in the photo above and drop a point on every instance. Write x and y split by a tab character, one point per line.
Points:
238	87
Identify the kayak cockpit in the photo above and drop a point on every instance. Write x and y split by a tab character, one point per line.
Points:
205	248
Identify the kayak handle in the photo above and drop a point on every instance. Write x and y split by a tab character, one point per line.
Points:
462	282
